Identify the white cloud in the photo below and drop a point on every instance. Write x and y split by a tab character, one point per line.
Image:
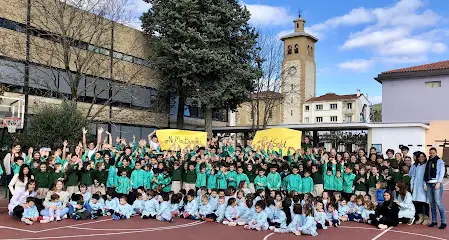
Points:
375	99
283	33
357	65
269	15
395	36
374	38
355	17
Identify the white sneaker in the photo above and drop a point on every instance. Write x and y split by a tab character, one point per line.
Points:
44	221
52	219
241	223
28	221
225	222
272	228
298	233
65	216
382	226
232	224
246	227
58	218
277	230
258	228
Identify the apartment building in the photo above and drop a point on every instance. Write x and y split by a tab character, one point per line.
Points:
333	108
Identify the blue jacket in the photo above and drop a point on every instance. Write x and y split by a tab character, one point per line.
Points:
150	207
205	209
309	225
261	218
220	212
296	223
138	205
192	207
112	204
165	211
30	212
231	212
126	210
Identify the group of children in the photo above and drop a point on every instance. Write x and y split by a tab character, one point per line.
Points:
308	188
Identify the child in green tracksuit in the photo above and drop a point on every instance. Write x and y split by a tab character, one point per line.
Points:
260	182
222	182
202	171
329	177
348	183
294	181
338	181
231	176
111	182
138	176
149	175
163	180
241	176
273	179
124	183
307	183
211	180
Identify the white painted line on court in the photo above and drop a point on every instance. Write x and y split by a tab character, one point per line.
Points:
418	234
79	224
132	229
103	234
266	237
375	229
382	233
17	229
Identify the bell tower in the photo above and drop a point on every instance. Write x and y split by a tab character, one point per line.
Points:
298	72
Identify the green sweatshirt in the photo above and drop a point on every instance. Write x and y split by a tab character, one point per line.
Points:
242	177
260	182
231	178
124	185
348	182
274	181
43	179
294	183
307	185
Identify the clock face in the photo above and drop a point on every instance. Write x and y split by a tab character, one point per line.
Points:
292	71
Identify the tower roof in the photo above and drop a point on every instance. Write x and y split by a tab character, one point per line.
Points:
299	34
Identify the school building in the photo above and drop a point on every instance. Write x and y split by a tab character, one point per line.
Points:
106	68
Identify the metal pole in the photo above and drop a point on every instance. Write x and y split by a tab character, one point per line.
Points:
27	63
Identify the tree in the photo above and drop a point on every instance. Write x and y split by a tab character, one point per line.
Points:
70	52
376	112
52	124
204	52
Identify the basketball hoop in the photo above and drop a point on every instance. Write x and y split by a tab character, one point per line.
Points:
12	123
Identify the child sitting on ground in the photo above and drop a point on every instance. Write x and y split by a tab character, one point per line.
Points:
96	206
164	212
124	210
259	219
30	213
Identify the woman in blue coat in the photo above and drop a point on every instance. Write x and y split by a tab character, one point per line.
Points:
419	195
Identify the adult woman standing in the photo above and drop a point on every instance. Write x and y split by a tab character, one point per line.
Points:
19	181
433	176
404	201
16	151
387	215
18	200
419	195
64	198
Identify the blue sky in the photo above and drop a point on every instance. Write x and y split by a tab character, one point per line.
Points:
360	39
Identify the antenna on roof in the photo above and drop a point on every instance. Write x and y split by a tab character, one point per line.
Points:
299	13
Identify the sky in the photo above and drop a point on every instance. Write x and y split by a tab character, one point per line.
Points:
358	39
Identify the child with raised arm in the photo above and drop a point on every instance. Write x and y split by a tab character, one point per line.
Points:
124	210
259	219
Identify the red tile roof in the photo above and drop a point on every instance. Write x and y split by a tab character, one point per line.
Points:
266	94
332	97
426	67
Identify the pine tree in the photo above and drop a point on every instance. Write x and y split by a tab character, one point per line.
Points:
203	50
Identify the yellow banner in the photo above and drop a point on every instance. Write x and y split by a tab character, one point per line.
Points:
283	137
174	138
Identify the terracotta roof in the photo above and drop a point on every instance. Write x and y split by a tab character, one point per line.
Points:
332	97
426	67
266	94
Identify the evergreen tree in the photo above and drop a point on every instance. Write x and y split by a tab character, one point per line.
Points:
203	49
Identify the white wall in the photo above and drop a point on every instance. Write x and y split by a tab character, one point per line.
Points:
392	137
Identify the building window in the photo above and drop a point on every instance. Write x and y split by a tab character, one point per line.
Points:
291	112
292	87
319	107
319	119
270	113
348	118
297	25
308	49
289	50
291	100
334	119
333	106
349	105
296	48
433	84
306	120
307	108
